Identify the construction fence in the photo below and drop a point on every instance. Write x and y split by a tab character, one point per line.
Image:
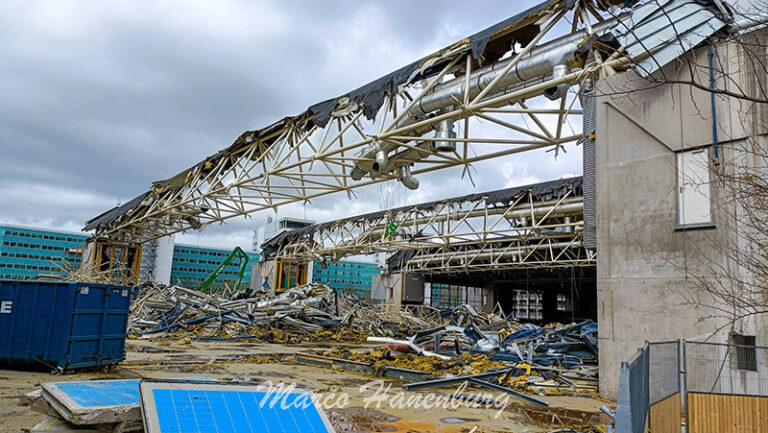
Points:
676	386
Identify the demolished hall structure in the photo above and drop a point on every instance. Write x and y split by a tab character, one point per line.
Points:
672	96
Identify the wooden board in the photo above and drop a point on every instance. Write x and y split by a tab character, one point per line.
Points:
665	415
717	413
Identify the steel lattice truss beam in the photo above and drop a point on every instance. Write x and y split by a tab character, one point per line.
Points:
525	227
457	107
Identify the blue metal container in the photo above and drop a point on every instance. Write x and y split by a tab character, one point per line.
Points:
62	325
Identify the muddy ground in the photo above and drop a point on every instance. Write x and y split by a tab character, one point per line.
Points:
272	362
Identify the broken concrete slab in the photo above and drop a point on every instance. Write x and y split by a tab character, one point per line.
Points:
57	425
94	402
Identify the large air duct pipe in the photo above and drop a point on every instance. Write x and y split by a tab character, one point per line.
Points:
407	179
551	59
555	93
380	160
445	130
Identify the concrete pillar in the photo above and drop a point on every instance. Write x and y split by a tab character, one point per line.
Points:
489	297
164	259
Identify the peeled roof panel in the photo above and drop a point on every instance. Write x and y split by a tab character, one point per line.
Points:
673	51
667	30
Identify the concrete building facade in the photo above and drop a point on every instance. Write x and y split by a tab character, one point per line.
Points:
662	222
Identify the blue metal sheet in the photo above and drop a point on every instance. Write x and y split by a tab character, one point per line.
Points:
174	407
64	325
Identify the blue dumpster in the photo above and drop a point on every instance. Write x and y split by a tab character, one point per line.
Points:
62	325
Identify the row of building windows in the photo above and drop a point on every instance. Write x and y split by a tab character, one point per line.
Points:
28	267
36	246
200	252
44	236
37	257
202	262
200	271
13	277
351	274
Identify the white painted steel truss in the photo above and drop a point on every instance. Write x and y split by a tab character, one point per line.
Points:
452	109
523	230
296	160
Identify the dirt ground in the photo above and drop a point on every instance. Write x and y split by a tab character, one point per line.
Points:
257	363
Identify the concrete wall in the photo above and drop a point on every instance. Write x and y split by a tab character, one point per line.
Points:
648	272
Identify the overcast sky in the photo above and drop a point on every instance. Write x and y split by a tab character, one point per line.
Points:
99	99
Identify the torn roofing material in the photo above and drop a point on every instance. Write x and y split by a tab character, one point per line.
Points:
114	213
549	190
372	95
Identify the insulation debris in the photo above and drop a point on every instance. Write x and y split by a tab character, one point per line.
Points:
458	365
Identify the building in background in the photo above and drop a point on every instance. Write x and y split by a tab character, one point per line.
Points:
27	252
275	226
192	265
347	276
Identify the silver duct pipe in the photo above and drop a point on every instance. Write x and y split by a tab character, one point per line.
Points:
407	179
539	63
555	93
380	160
445	130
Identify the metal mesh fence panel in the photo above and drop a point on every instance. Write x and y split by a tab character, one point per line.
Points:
664	370
726	369
638	385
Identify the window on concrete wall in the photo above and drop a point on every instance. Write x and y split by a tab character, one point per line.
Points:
746	352
694	198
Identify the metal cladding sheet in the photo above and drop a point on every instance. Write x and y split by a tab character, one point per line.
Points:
667	29
175	407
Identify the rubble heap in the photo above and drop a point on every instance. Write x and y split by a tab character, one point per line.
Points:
313	311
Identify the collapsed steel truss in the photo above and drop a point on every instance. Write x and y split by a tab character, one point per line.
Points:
497	93
524	227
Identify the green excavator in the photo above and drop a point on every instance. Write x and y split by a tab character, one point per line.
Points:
236	253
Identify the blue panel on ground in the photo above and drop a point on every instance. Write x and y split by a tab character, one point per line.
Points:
229	411
102	392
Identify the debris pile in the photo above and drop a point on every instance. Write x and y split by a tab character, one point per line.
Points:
529	359
462	364
503	339
415	342
312	312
